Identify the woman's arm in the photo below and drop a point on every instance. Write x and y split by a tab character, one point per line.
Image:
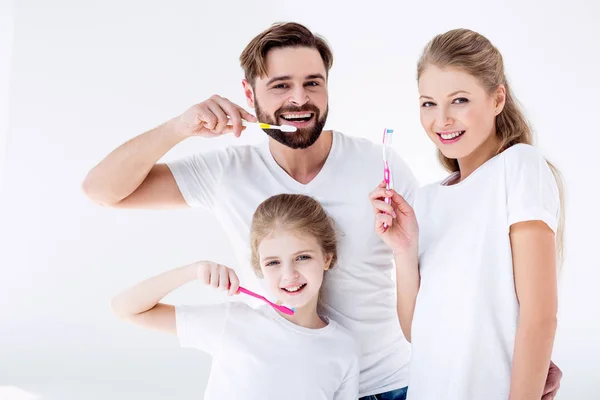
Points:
534	263
408	282
402	236
140	303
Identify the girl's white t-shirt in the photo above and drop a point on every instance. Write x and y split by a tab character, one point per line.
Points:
258	354
466	313
359	292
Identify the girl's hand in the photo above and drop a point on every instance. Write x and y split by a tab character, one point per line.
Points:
217	276
402	232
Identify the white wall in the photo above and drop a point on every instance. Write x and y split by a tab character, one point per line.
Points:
7	27
87	77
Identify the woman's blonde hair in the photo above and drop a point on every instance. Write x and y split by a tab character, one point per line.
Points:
296	213
474	54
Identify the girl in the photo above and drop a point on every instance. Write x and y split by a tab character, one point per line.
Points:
262	353
476	279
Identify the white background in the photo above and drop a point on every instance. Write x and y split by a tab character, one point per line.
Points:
86	77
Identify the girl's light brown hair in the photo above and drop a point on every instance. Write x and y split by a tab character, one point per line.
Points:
296	213
280	35
474	54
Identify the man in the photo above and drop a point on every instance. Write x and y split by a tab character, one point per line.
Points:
286	71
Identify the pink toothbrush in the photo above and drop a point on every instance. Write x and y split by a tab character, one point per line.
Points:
387	176
283	309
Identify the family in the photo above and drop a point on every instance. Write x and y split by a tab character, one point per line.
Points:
471	313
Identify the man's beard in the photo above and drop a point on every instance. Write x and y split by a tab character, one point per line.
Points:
302	138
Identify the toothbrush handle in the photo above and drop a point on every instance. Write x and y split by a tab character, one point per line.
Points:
250	293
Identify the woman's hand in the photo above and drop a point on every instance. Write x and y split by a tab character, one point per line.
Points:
402	231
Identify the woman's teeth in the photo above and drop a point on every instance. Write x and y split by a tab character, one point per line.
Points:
448	136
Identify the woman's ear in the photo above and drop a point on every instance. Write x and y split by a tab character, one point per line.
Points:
500	98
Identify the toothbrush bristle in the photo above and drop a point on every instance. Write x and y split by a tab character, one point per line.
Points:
288	128
387	136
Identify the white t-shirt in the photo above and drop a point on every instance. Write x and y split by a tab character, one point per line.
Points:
258	354
466	314
359	292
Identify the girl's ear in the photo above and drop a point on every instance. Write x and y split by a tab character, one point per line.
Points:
328	258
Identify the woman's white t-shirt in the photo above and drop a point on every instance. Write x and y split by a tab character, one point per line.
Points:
466	313
258	354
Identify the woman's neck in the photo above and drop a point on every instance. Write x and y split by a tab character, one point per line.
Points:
469	164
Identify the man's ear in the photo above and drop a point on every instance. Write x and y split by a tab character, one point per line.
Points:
248	93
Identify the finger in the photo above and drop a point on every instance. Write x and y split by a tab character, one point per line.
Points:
401	204
214	276
234	282
206	118
229	129
246	115
382	207
222	119
235	117
384	219
223	278
380	193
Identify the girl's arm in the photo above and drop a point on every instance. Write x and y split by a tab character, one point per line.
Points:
534	261
140	303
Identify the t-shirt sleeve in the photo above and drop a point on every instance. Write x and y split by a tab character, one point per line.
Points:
202	326
199	176
532	191
403	178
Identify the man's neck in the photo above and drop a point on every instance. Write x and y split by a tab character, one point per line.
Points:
303	165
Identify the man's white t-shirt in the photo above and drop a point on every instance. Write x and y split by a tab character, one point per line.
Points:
466	314
258	354
359	293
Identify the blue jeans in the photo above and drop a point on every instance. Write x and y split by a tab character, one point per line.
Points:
398	394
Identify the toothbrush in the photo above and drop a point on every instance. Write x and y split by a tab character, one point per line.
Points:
387	175
283	309
262	125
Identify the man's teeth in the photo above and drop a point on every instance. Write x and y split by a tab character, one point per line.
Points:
291	117
294	288
448	136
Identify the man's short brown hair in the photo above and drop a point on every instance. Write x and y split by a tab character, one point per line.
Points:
280	35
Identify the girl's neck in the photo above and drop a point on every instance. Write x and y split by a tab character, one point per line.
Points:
306	316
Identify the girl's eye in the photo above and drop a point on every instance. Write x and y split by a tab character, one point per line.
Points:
428	104
303	257
271	263
460	100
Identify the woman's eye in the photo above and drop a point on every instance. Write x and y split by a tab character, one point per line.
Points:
428	104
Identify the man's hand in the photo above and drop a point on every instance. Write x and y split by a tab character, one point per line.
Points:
213	117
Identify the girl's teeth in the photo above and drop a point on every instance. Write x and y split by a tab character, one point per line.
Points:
293	289
448	136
